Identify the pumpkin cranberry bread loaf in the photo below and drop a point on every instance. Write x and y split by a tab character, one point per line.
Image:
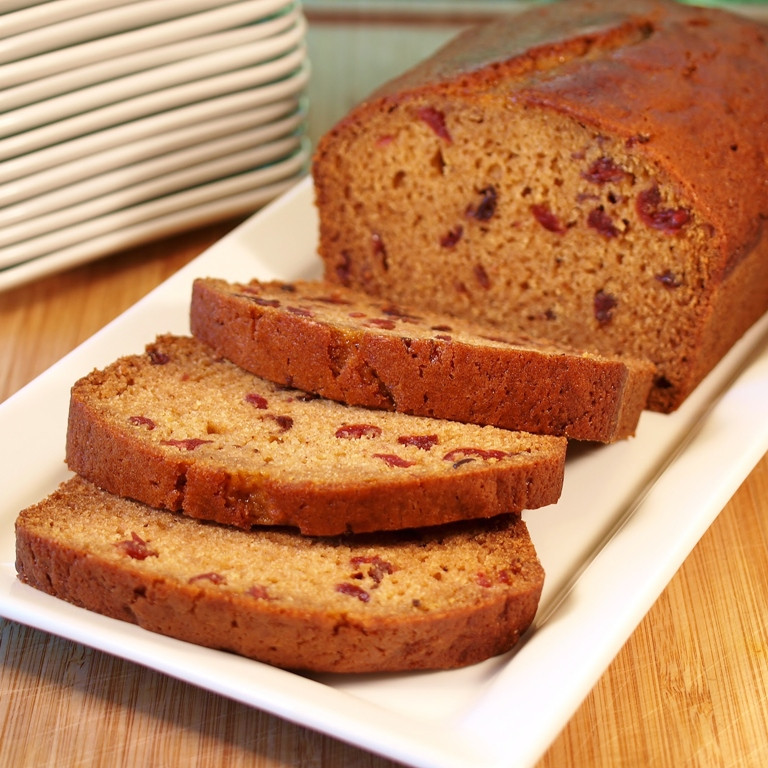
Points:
181	428
438	598
346	346
589	172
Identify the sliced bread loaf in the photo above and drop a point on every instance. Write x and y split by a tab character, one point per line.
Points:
591	171
182	428
438	598
347	346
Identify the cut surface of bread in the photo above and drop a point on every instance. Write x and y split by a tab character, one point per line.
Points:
182	428
439	598
347	346
591	172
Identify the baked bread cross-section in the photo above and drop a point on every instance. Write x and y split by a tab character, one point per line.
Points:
182	428
429	599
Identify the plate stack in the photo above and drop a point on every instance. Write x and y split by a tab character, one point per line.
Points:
124	121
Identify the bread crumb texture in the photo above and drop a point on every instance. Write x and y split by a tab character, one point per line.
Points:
317	599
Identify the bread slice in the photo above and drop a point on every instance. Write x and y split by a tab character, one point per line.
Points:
180	427
590	171
347	346
438	598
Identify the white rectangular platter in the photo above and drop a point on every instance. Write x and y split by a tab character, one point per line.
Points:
629	515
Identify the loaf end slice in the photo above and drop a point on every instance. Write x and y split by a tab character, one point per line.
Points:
441	598
181	428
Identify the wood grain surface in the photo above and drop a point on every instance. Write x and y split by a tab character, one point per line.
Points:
689	688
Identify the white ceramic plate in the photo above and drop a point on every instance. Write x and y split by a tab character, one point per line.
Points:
629	515
277	73
218	54
136	40
50	13
265	40
137	184
99	195
145	128
265	123
126	16
239	204
234	174
15	5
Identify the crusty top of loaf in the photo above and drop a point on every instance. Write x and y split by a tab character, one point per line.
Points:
685	86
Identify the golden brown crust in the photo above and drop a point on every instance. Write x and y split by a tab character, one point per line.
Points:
355	604
618	229
348	347
184	429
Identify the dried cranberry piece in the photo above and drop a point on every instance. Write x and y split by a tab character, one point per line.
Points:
382	322
136	547
603	171
332	299
379	567
479	453
669	279
353	590
260	300
300	311
188	444
441	328
393	460
598	219
667	220
424	442
482	276
156	357
450	239
443	337
603	305
394	311
485	209
542	213
257	400
283	422
212	576
507	575
356	431
483	580
435	119
142	421
259	592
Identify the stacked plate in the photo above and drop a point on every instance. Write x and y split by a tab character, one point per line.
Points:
124	121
